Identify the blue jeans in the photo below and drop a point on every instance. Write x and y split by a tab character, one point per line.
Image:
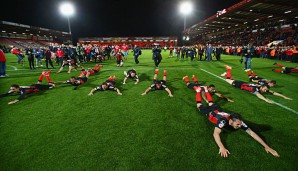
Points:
209	57
2	68
247	63
20	58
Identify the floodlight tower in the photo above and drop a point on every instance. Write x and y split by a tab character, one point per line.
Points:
185	9
67	9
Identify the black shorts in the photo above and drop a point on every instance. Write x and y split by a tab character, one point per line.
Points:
287	70
191	85
42	86
237	84
111	81
160	81
206	110
83	79
119	61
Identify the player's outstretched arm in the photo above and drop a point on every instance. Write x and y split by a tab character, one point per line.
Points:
260	96
279	95
118	91
224	97
169	92
13	102
146	91
91	92
137	81
124	81
259	139
222	150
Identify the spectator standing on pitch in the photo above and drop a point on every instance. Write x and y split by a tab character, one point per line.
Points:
2	64
30	54
156	55
48	57
125	50
16	52
209	51
119	60
136	53
218	52
248	52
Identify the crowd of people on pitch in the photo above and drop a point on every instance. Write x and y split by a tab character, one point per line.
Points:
256	85
74	57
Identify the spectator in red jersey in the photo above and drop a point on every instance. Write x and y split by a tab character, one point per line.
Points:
285	70
2	64
119	60
289	53
171	51
109	84
256	89
59	56
16	52
222	120
125	50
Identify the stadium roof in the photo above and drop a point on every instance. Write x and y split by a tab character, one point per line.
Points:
247	13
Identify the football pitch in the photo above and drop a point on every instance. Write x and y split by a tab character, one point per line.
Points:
65	129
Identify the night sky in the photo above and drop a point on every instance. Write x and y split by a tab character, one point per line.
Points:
101	18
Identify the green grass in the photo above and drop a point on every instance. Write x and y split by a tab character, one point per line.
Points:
65	129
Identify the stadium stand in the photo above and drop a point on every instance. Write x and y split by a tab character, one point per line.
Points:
21	35
258	22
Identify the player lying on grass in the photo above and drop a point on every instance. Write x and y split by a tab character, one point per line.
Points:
83	76
222	119
253	77
34	88
285	70
159	84
72	65
109	84
256	89
206	94
132	74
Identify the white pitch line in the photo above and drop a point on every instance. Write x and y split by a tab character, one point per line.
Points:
213	74
15	68
285	107
278	104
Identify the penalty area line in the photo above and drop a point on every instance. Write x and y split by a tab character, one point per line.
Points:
278	104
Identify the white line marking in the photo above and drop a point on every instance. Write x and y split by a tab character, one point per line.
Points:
15	68
278	104
285	107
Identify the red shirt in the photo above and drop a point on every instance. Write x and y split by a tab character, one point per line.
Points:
124	48
2	56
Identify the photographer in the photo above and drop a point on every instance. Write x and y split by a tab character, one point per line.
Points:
156	56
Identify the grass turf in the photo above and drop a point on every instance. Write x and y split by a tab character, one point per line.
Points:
65	129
